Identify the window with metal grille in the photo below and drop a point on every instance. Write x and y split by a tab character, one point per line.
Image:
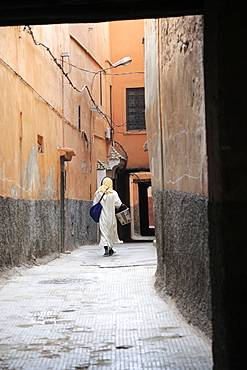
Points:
135	109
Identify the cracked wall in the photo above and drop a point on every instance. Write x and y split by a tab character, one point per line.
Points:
175	115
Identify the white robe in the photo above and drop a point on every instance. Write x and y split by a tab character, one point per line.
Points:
108	221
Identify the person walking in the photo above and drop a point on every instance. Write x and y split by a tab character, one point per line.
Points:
107	220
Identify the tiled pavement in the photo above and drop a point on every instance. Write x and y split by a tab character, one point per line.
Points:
83	311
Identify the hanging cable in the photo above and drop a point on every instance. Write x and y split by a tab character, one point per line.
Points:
29	30
105	116
105	73
120	148
85	87
140	180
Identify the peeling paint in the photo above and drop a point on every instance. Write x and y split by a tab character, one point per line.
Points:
31	177
33	183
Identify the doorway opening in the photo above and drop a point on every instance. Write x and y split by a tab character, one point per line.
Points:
135	190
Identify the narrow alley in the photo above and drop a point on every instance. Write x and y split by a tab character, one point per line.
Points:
83	311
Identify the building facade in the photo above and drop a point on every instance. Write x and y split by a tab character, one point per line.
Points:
57	139
133	180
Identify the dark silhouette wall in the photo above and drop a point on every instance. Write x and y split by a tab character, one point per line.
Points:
226	82
226	96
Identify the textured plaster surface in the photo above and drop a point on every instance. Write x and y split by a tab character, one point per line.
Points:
175	116
183	254
175	111
30	229
80	228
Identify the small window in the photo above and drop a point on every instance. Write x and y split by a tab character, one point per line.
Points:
40	144
135	109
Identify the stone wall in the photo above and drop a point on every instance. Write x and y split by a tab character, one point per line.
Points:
30	229
183	263
80	228
175	118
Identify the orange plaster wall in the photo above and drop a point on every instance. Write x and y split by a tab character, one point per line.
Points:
36	99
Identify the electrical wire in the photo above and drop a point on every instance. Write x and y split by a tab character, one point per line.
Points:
130	117
125	123
105	116
92	72
140	180
117	144
85	87
29	30
74	66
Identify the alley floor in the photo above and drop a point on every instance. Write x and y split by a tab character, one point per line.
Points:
86	311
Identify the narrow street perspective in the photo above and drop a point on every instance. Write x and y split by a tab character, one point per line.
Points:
135	108
83	311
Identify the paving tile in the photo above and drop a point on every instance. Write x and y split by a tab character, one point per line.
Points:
86	311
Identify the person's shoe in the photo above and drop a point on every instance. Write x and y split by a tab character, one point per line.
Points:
106	254
111	252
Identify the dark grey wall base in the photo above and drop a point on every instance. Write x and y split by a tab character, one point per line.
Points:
183	254
80	227
30	229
